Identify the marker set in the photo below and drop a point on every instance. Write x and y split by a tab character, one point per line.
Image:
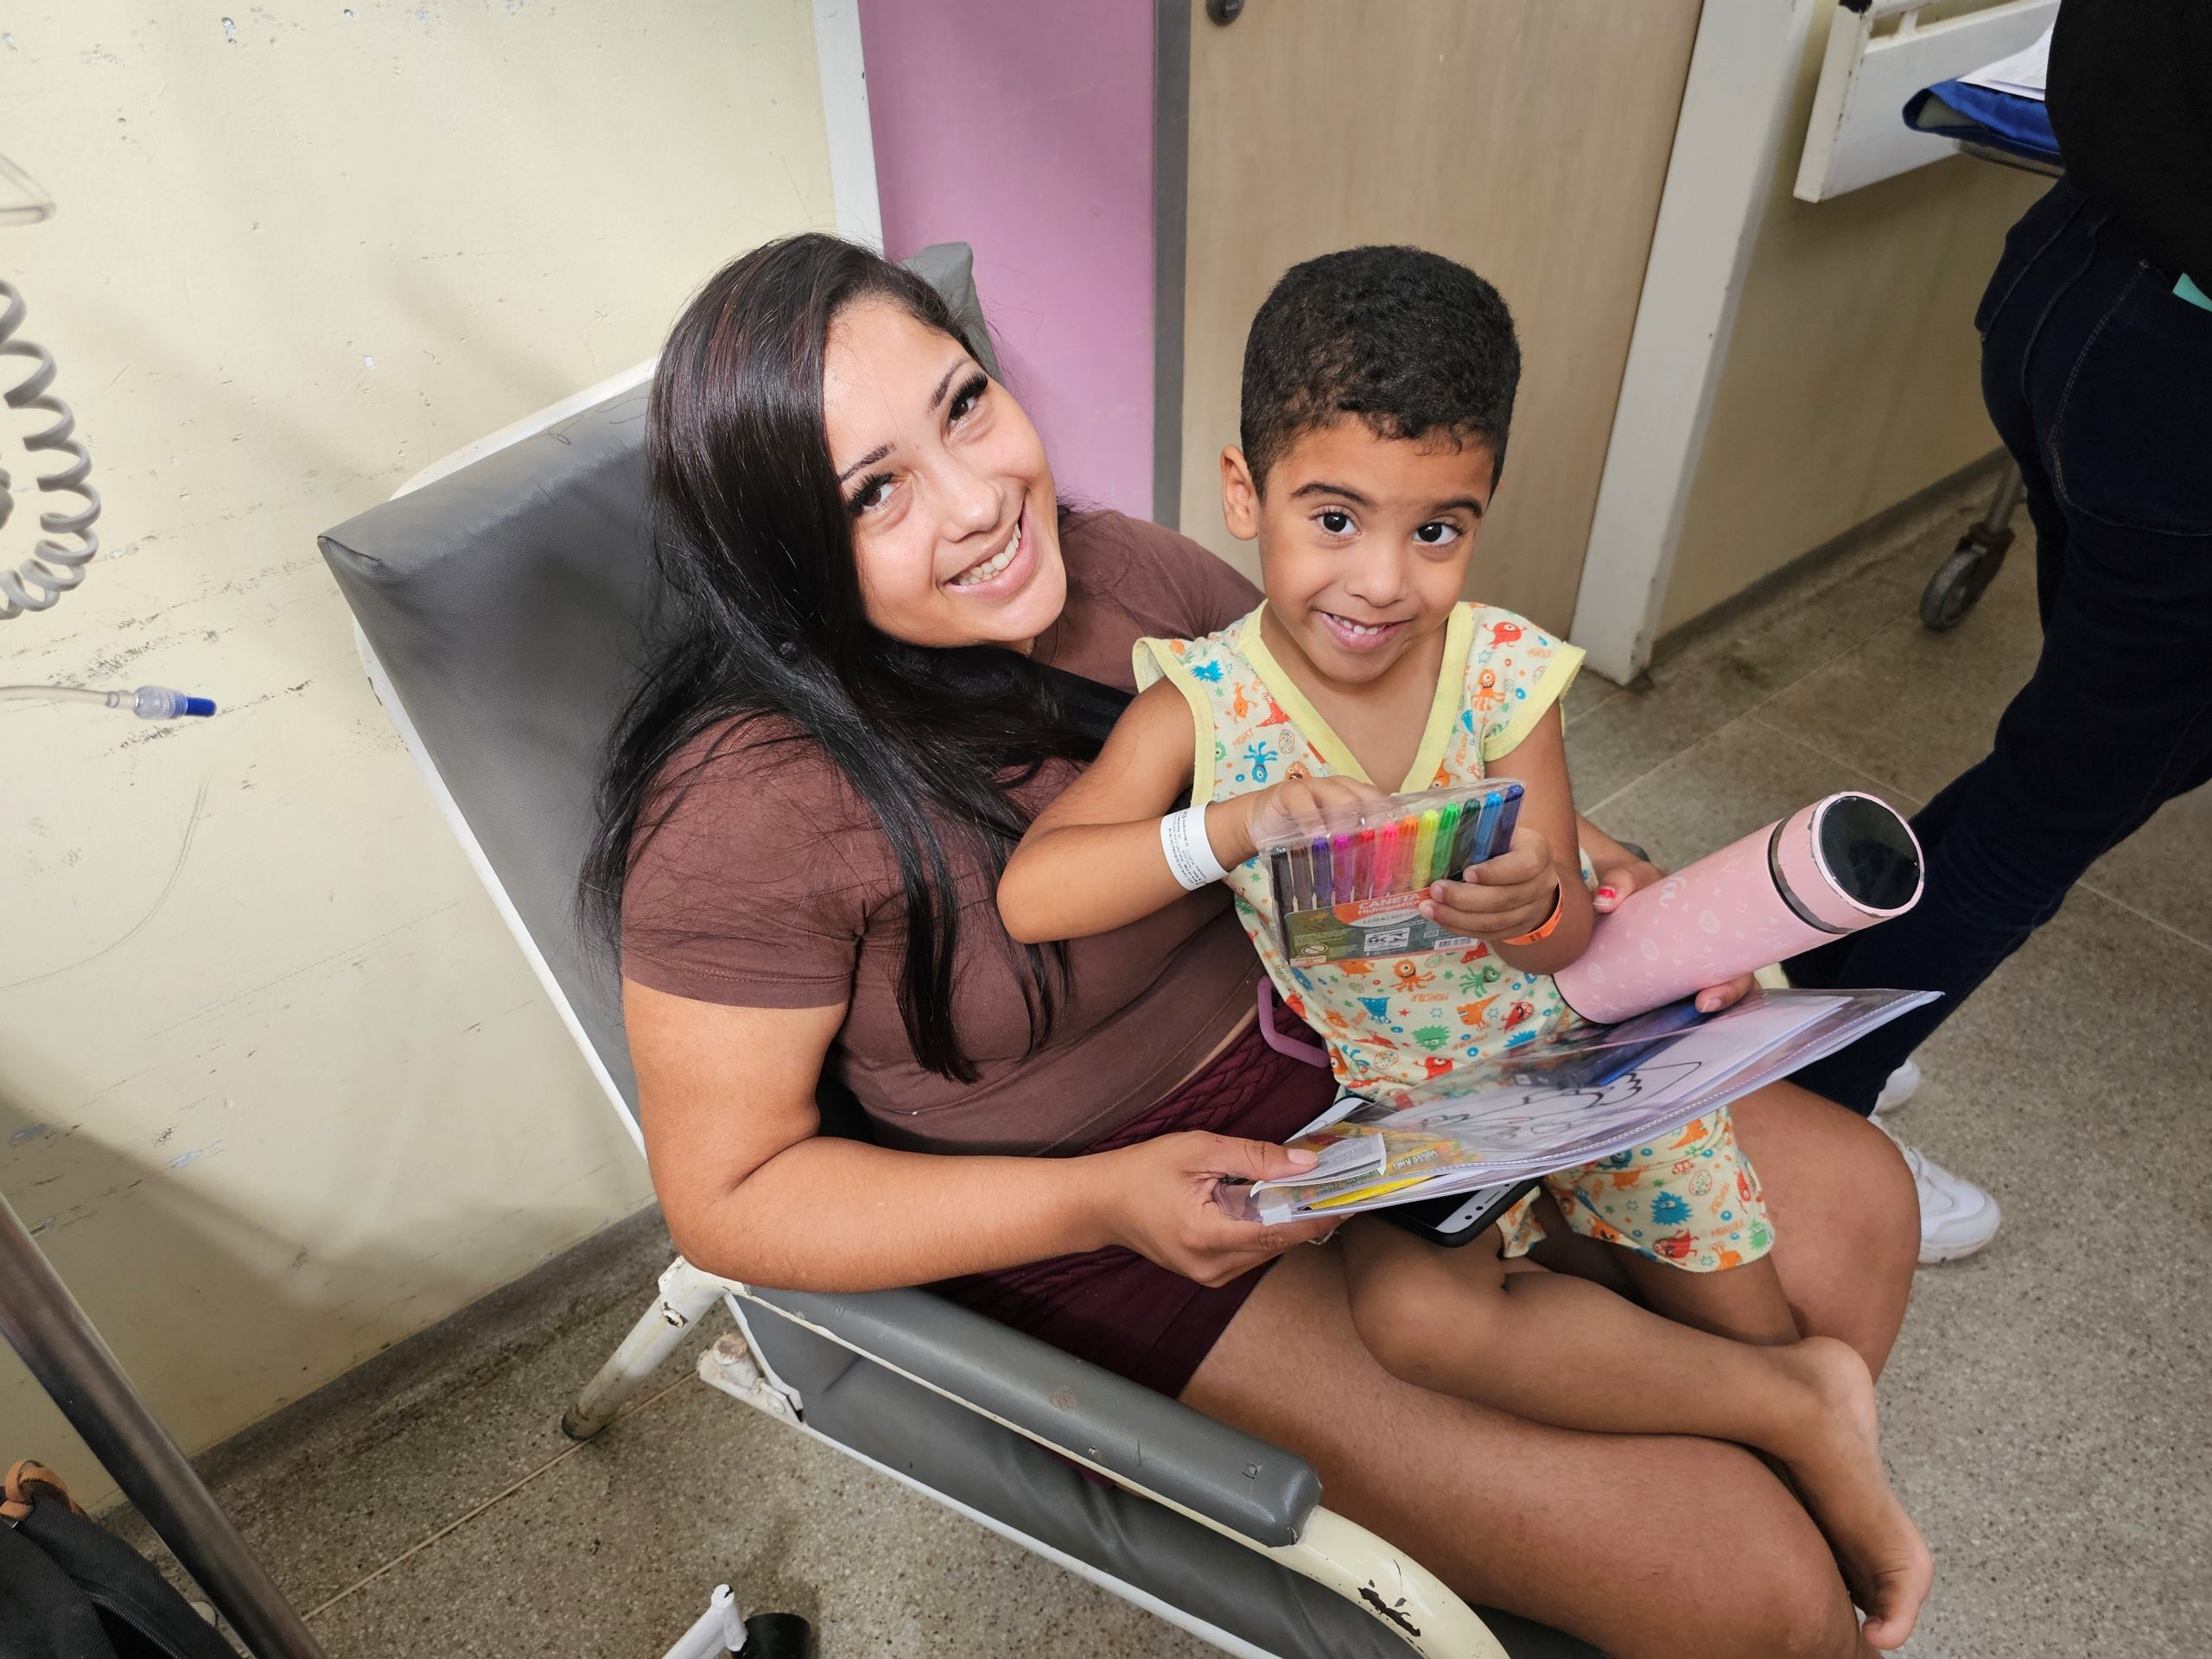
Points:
1350	884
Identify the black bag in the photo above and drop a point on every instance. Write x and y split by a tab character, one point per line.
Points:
71	1590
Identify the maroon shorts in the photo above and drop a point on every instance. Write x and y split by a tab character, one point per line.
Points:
1112	1306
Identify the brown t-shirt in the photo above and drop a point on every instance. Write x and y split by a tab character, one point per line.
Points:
769	885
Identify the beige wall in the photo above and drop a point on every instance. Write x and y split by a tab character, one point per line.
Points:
275	1086
1852	379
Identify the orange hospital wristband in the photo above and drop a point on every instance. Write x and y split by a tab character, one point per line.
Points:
1537	935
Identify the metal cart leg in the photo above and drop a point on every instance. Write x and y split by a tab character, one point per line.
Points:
1960	580
44	1324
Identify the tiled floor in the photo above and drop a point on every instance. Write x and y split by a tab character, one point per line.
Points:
2044	1412
2045	1415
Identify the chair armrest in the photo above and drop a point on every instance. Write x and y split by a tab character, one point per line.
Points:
1143	1440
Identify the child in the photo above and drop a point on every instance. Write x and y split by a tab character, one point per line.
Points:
1377	392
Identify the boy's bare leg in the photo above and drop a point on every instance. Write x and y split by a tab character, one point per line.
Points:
1558	1350
1744	1304
1846	1217
1843	1209
1564	1250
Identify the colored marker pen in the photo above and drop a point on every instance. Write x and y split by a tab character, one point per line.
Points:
1362	863
1485	826
1341	867
1463	841
1278	870
1447	834
1425	848
1386	859
1508	815
1324	880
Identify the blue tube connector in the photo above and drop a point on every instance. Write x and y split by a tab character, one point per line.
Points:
159	702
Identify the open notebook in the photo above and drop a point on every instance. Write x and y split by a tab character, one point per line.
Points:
1592	1091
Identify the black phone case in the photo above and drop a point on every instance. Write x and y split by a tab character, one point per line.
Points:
1425	1217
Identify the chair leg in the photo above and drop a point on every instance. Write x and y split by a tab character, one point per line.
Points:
729	1363
686	1294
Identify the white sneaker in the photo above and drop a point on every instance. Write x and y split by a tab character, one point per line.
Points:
1956	1217
1904	1083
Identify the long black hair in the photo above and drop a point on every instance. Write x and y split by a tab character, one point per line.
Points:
764	620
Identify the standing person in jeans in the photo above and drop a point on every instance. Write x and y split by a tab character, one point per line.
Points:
2097	369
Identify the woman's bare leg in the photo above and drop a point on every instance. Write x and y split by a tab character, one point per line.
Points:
1846	1223
1846	1219
1584	1532
1557	1349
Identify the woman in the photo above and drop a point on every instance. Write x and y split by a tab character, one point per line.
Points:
877	599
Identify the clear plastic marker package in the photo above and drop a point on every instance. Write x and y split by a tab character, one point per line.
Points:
1349	884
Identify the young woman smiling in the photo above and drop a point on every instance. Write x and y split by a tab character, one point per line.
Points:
876	599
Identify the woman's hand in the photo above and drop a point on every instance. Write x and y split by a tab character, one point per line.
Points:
1617	879
1503	898
1159	1198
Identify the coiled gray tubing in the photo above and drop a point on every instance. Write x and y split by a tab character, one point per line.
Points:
38	582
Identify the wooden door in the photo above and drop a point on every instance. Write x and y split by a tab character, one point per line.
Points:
1526	138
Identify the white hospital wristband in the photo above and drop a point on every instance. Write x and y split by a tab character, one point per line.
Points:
1190	854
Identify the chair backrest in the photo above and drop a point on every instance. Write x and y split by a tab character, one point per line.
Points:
507	605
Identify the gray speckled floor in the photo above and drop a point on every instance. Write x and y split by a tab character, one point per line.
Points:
2044	1415
427	1506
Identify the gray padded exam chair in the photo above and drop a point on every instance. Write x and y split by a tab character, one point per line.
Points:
501	600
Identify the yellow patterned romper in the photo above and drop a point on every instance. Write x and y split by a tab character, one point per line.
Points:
1689	1200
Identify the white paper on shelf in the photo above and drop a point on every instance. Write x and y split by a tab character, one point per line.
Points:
2022	74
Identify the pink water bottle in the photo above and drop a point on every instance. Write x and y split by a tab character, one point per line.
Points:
1827	870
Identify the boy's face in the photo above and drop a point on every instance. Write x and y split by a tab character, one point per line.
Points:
1363	541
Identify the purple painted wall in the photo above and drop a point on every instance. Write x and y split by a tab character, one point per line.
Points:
1024	128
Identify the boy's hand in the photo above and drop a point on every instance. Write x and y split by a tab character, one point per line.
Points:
1503	897
1294	807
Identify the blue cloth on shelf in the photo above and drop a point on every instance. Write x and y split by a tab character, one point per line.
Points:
1952	109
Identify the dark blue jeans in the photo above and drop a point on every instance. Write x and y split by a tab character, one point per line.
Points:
2099	379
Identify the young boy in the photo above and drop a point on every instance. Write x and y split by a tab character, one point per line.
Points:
1377	393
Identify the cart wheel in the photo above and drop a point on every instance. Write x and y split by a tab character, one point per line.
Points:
778	1636
1958	582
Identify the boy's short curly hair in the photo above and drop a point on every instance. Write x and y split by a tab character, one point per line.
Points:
1409	341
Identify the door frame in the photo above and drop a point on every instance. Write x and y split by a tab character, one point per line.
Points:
842	76
1171	196
1743	70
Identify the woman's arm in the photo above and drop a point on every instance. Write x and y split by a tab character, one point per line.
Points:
751	1190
